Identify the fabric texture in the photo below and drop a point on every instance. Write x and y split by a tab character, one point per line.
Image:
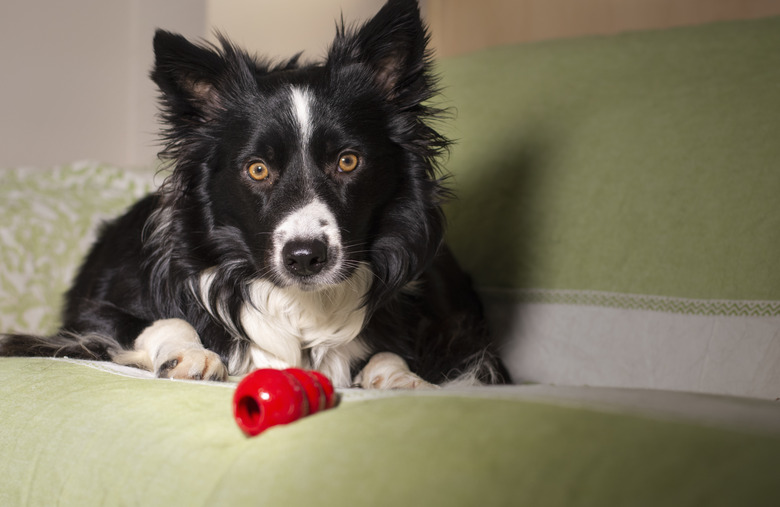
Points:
617	203
49	219
643	163
75	435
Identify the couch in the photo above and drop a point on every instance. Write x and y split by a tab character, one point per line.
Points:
618	209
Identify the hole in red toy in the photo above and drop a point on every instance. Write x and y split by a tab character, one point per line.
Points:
248	412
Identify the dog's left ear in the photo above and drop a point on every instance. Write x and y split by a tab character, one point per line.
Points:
392	44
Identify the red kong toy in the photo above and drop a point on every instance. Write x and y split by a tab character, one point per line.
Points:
268	397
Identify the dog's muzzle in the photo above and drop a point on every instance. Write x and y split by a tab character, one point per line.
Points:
307	247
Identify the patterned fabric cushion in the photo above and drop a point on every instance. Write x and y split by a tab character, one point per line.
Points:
48	220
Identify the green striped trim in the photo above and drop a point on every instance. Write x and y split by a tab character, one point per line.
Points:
664	304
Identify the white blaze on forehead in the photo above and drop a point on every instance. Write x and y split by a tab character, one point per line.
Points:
301	108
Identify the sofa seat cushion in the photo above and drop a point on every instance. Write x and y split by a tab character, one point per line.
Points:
81	433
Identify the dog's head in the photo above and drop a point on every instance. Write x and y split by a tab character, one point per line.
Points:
300	173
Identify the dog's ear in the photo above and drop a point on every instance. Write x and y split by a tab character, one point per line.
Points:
193	78
185	73
393	46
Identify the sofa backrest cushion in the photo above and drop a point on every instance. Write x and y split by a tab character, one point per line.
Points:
619	204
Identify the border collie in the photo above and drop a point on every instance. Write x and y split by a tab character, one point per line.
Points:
300	225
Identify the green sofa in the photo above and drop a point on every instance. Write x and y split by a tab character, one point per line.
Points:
618	208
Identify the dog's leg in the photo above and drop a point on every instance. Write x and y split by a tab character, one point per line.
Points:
171	348
335	361
389	371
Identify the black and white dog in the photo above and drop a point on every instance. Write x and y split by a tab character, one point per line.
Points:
301	225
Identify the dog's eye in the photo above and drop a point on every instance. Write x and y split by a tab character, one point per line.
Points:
258	171
348	162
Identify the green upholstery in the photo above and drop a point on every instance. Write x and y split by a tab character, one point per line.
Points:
76	435
644	163
618	205
48	220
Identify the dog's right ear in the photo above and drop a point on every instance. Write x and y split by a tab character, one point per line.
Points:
193	78
186	74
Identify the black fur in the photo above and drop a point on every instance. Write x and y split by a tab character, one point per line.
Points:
220	107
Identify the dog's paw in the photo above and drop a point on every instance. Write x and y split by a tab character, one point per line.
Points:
389	371
171	348
193	364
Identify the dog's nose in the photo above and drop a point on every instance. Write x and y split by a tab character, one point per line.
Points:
306	257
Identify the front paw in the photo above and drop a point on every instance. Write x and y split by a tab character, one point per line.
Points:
171	348
192	364
389	371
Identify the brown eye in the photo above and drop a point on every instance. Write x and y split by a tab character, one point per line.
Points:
348	162
258	171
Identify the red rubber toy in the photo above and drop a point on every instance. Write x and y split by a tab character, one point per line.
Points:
327	387
269	397
315	394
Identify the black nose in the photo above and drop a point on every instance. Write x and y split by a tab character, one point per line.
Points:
305	257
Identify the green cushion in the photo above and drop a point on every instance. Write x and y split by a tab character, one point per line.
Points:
48	220
644	163
618	205
77	435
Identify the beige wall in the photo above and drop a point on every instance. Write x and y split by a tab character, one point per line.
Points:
74	78
460	26
285	27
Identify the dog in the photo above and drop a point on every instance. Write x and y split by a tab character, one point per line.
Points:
300	225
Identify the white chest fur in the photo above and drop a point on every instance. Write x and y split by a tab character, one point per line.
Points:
290	327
